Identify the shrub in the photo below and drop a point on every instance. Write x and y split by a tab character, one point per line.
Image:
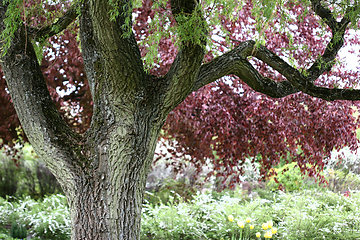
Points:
48	184
48	219
9	176
342	182
166	193
29	177
4	236
299	215
289	176
18	231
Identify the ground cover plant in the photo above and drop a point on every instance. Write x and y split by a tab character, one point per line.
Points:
299	215
45	219
306	210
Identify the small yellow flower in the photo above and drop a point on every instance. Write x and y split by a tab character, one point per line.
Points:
270	224
258	235
268	234
264	226
231	218
241	224
248	220
252	227
273	230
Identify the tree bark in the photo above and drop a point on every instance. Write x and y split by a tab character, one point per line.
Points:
109	192
102	172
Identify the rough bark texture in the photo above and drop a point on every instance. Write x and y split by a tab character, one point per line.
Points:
103	172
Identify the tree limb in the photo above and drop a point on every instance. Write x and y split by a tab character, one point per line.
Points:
325	14
40	35
117	54
326	61
185	68
37	112
235	63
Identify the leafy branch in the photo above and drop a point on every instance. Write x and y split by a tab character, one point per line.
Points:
62	23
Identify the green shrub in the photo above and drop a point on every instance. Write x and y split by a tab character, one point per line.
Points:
301	215
47	219
29	177
48	184
18	231
4	236
9	176
171	190
289	176
340	181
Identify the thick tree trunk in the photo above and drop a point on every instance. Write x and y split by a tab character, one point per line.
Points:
108	197
102	172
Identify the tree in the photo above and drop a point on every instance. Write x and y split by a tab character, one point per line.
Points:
103	170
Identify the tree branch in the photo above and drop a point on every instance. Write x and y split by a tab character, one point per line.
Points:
42	123
184	70
235	63
325	14
113	50
55	28
326	61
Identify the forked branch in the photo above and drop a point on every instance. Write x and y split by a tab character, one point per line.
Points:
235	63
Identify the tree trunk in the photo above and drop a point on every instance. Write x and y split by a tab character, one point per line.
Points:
103	171
107	199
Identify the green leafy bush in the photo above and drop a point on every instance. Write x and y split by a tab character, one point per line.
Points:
301	215
29	177
166	192
9	176
18	231
47	219
298	215
289	176
340	181
4	236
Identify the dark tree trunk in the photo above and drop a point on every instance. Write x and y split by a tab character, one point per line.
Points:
103	172
108	193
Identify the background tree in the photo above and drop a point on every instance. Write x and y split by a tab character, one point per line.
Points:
103	170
